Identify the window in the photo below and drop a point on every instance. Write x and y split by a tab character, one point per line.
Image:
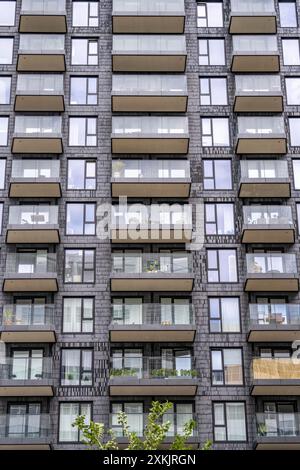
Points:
211	52
215	132
76	367
3	130
135	417
6	51
81	219
23	420
288	16
290	50
293	90
298	217
296	171
85	14
227	366
219	219
222	265
84	90
213	91
5	85
68	412
217	174
210	15
84	52
79	266
229	422
2	173
8	13
82	132
78	315
28	364
81	174
224	314
294	124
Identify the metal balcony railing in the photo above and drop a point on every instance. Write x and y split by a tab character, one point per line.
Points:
26	368
158	7
163	314
38	84
141	367
274	314
264	169
254	6
260	125
146	44
43	6
35	169
268	215
27	426
30	263
42	43
146	125
258	44
271	263
28	315
283	424
257	84
142	263
33	215
151	169
149	84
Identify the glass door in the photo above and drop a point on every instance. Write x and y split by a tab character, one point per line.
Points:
24	420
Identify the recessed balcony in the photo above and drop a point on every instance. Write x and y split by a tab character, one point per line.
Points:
264	178
254	17
37	134
30	271
256	53
43	16
261	135
258	94
33	224
151	178
149	272
149	53
268	224
35	178
274	322
28	431
277	431
275	377
40	93
41	53
150	135
142	17
271	272
149	93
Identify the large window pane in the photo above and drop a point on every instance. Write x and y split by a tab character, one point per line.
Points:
67	415
7	13
6	50
290	49
288	16
5	85
293	91
3	130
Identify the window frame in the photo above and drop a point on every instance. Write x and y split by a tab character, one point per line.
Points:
217	250
86	134
10	89
91	371
224	402
221	350
215	222
208	54
221	316
87	94
84	220
209	94
206	17
82	319
79	403
212	132
213	178
89	16
88	53
83	250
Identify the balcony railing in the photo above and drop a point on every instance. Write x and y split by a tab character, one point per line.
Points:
151	169
278	424
257	84
275	369
44	125
31	263
35	169
37	84
42	43
155	216
158	7
53	7
27	426
152	263
275	263
254	6
33	215
148	44
24	368
149	125
153	314
264	44
264	169
149	84
153	368
28	315
274	314
260	125
268	215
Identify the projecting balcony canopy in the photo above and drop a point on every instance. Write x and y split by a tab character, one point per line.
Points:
255	53
277	431
149	93
40	92
148	53
150	134
261	135
264	178
258	93
268	224
28	431
252	17
37	134
43	16
143	17
274	322
275	376
41	53
35	178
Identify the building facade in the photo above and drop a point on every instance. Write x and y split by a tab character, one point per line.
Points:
193	105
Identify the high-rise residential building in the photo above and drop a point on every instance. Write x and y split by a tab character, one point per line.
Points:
190	110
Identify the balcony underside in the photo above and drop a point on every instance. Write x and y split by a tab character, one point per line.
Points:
152	145
192	442
148	24
150	188
277	443
32	188
30	283
255	63
149	63
36	103
244	24
19	388
21	334
149	104
268	234
152	282
275	387
151	236
41	62
37	145
261	145
272	283
273	333
265	189
149	333
42	23
258	104
146	387
32	234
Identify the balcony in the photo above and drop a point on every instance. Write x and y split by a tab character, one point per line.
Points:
147	323
30	271
149	93
41	53
254	17
274	322
35	178
268	224
150	134
151	178
40	93
261	135
257	53
26	377
160	272
142	17
37	134
28	431
28	323
42	16
277	431
258	94
149	53
264	178
33	224
271	272
153	376
275	377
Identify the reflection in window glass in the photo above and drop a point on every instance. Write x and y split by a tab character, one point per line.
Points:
229	422
5	84
219	219
81	174
296	171
224	313
84	52
215	132
292	91
8	13
217	174
82	132
288	16
294	124
68	412
85	14
210	15
290	50
213	91
2	173
6	51
3	130
84	90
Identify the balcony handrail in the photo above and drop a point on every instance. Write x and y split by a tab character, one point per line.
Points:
149	125
153	314
152	263
43	6
27	315
35	169
257	44
26	368
26	263
274	314
264	169
150	169
275	368
267	215
262	84
279	424
25	426
260	125
33	215
271	263
147	44
149	84
42	43
38	83
253	6
146	7
45	125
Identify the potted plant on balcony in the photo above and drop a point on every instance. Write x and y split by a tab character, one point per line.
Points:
262	430
152	266
8	317
118	168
